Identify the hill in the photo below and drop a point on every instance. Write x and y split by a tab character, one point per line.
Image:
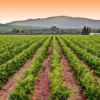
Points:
59	21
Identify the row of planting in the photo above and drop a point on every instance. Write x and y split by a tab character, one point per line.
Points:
84	78
25	86
10	67
6	56
93	48
9	41
14	43
58	90
88	58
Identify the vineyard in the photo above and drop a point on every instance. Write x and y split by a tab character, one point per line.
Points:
49	67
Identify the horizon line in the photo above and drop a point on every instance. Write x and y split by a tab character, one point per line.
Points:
48	17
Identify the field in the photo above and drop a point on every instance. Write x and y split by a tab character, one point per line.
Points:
10	27
49	67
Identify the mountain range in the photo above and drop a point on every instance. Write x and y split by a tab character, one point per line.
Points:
58	21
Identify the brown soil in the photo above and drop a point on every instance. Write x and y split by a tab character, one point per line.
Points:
11	83
41	91
68	78
89	67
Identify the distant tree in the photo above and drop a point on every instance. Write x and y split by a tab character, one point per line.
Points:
62	31
98	30
71	32
78	32
26	32
54	29
94	31
89	30
66	32
22	31
14	31
17	30
58	32
86	30
57	29
31	32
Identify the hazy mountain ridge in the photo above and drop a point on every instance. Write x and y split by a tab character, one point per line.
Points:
59	21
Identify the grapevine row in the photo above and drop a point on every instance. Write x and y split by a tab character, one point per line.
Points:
14	44
58	90
9	68
6	56
84	78
88	58
25	86
92	48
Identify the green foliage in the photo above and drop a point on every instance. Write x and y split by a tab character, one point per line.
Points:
84	77
10	27
25	86
54	29
88	58
14	31
92	45
22	89
86	30
10	67
58	90
13	50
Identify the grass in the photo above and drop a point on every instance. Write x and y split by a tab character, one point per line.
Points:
10	27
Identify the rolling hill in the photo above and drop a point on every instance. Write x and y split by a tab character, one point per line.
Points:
10	27
59	21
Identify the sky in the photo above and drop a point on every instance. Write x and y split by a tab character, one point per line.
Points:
13	10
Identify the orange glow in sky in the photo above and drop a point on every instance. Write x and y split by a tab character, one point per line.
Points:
12	10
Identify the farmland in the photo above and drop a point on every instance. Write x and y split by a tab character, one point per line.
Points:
49	67
10	27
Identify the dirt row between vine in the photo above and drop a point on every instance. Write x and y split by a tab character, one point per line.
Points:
68	78
96	77
11	83
41	91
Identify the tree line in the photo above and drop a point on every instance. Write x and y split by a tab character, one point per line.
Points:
52	31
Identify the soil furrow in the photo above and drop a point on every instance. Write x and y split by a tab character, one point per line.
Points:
68	78
89	67
41	91
11	83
